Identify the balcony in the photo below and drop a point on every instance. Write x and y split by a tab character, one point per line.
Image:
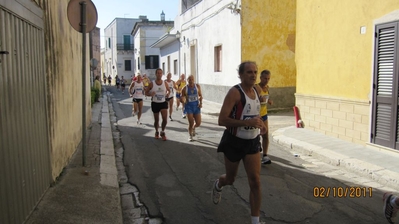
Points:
124	47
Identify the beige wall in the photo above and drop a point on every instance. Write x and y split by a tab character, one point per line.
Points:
268	37
64	72
333	58
334	62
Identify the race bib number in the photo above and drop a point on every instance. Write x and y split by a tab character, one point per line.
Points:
159	97
192	98
248	128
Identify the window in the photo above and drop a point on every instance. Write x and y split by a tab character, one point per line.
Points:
163	67
218	58
126	43
128	65
151	61
385	115
109	42
138	63
175	67
169	64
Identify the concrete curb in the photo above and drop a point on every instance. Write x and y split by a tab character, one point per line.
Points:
108	171
376	173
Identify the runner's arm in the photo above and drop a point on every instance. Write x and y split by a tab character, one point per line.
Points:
148	89
199	95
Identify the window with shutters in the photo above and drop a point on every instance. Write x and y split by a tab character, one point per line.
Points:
151	61
218	58
175	67
128	65
386	86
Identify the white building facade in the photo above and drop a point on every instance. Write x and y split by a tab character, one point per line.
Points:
210	45
119	48
169	48
145	34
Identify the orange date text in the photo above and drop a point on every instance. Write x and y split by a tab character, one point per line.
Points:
342	192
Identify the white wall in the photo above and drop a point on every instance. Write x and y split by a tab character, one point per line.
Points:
210	24
171	50
113	57
145	36
108	54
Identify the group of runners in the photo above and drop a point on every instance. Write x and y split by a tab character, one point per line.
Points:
162	92
243	113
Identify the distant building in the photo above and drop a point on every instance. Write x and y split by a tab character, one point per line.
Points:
169	48
145	34
119	48
96	52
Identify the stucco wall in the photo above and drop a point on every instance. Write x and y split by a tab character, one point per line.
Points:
333	57
206	25
97	51
64	72
170	51
335	64
145	36
268	38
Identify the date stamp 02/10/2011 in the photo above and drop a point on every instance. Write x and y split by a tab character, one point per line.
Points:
342	192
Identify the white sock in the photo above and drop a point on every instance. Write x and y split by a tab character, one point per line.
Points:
393	203
255	219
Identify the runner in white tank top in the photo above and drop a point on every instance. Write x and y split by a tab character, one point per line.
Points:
159	91
172	87
136	90
240	115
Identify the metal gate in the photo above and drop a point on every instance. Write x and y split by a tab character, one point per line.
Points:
24	145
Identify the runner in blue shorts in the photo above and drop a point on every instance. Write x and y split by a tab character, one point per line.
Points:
191	97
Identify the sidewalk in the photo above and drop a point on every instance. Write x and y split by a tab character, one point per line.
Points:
380	165
86	194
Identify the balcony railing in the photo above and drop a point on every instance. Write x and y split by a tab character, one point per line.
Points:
124	47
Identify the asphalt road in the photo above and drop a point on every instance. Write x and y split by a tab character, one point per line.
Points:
174	177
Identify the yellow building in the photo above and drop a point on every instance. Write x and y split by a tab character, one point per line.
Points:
347	69
268	38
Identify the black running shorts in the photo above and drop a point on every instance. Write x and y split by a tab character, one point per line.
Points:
235	148
157	107
137	100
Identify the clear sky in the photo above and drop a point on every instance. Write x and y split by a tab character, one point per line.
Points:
108	10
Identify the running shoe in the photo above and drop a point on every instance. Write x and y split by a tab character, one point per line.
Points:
170	117
389	210
157	135
190	138
266	160
216	194
183	115
133	113
138	122
163	136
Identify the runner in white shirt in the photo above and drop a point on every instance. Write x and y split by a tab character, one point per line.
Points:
136	90
159	91
172	87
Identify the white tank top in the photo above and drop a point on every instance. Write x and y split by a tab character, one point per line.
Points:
250	110
138	90
171	89
160	92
